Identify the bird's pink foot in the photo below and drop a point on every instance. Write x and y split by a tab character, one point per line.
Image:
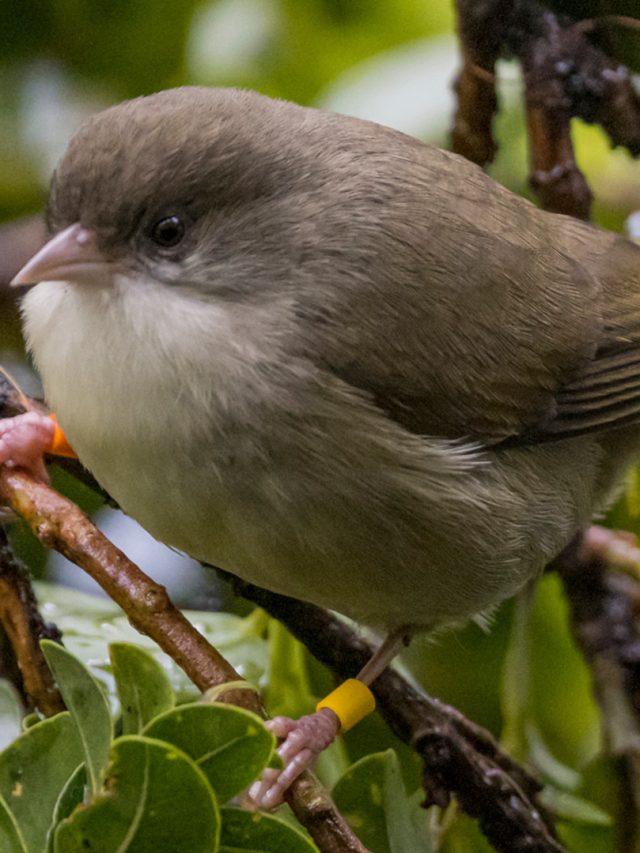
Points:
613	546
24	441
303	741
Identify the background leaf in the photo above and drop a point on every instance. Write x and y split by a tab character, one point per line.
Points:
230	745
155	799
373	799
87	705
71	795
11	713
256	832
33	770
143	686
89	624
11	840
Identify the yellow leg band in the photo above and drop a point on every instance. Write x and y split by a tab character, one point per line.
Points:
351	702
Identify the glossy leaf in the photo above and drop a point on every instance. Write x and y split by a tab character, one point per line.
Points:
230	745
372	797
89	624
71	795
289	690
10	713
155	798
143	686
516	681
88	706
11	840
569	807
256	832
573	738
33	771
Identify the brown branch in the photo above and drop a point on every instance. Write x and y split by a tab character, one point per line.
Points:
555	175
565	75
605	614
59	524
477	103
460	758
24	628
316	811
605	618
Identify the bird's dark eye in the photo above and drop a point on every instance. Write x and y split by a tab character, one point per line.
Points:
168	232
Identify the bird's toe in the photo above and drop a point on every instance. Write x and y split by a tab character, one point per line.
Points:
303	741
24	440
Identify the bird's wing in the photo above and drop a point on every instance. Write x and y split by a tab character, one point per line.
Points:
606	392
491	320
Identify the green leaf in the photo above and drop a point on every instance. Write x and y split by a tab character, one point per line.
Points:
516	679
33	771
560	679
11	841
155	798
88	623
632	492
289	691
257	832
10	714
570	807
88	706
143	686
230	745
30	720
372	797
70	796
547	765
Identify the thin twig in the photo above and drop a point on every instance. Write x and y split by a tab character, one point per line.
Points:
565	76
24	628
475	87
605	617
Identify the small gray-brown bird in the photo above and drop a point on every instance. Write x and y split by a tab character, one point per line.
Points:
335	361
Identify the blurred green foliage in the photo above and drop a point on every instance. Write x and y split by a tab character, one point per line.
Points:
130	47
62	59
93	52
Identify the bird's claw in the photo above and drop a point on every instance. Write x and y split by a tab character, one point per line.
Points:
24	440
303	740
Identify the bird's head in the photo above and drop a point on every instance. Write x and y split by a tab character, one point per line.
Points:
190	187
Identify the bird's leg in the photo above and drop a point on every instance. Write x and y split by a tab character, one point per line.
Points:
24	440
393	644
304	739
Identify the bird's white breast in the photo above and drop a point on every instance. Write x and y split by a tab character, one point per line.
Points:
337	504
132	374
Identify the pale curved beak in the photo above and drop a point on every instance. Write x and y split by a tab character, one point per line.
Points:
73	254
